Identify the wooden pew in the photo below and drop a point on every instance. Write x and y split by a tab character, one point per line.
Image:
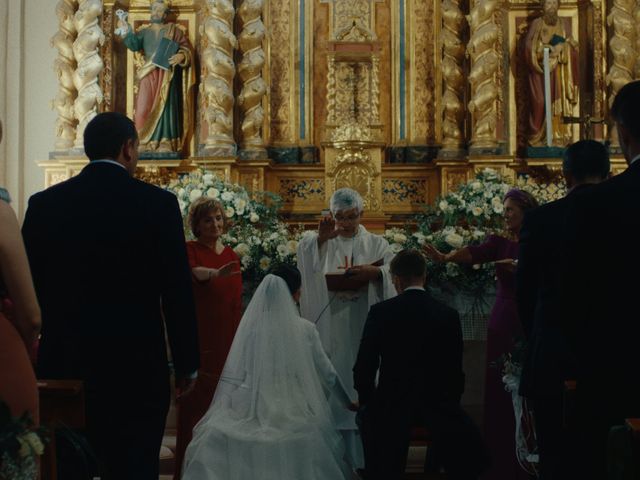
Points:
61	402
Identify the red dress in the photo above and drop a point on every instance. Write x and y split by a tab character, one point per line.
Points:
18	387
219	309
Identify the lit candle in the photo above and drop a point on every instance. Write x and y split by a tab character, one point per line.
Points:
547	96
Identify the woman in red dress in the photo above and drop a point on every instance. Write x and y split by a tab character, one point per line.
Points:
20	321
217	288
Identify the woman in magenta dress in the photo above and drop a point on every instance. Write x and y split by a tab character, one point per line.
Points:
217	288
503	327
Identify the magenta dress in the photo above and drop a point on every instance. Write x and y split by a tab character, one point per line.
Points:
503	327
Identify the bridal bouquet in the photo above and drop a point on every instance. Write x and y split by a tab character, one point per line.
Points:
20	445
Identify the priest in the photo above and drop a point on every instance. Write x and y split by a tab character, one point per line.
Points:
342	245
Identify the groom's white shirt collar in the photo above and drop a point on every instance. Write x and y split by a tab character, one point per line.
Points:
108	160
414	288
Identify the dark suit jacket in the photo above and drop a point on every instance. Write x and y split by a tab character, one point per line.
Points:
416	342
108	256
548	360
601	289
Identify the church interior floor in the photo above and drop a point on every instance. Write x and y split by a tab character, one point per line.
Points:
472	402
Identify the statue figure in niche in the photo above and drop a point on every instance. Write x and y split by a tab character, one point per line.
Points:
548	31
163	103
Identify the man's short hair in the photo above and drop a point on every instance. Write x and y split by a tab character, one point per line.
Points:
409	263
106	134
346	199
290	274
625	110
586	159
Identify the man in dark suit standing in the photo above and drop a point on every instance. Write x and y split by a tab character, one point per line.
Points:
108	258
600	293
416	344
549	361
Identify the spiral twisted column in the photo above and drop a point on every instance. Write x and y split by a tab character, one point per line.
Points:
64	66
250	71
482	49
218	70
87	55
622	45
453	23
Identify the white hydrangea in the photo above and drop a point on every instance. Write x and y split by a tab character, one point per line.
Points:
195	194
227	196
242	249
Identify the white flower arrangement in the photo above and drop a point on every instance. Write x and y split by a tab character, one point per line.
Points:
256	234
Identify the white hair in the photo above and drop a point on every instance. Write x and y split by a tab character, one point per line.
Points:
346	199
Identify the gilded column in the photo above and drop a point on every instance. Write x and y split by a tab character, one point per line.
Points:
64	66
622	47
218	70
636	14
453	50
485	59
253	85
86	76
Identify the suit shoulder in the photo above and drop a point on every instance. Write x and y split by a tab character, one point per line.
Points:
158	194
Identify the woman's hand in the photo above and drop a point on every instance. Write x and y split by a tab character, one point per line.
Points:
433	253
227	270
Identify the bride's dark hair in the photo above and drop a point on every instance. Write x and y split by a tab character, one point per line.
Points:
290	274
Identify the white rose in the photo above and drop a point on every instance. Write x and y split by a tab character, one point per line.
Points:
400	238
282	250
476	185
476	266
452	269
181	192
245	261
255	240
229	212
477	234
454	240
477	211
273	236
195	194
241	249
253	218
207	178
265	262
227	196
240	203
443	205
292	245
182	205
213	193
498	208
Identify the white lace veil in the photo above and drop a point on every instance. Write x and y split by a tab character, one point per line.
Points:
271	401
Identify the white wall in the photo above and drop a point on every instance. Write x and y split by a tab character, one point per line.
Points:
27	86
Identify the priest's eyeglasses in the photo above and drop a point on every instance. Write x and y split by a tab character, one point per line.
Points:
347	218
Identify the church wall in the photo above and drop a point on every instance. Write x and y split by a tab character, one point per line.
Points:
27	85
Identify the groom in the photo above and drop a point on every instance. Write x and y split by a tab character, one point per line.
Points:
415	342
110	268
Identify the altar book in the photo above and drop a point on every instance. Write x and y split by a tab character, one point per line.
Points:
345	281
167	48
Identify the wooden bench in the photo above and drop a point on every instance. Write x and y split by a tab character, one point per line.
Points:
61	402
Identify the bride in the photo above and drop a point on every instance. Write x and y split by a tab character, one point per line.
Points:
270	416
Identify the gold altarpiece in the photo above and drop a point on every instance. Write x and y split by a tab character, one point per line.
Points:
400	99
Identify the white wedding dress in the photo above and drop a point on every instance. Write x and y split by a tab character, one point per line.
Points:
270	417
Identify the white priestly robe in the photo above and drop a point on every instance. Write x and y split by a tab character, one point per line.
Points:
340	316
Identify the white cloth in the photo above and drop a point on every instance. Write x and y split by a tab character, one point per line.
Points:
340	317
270	417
